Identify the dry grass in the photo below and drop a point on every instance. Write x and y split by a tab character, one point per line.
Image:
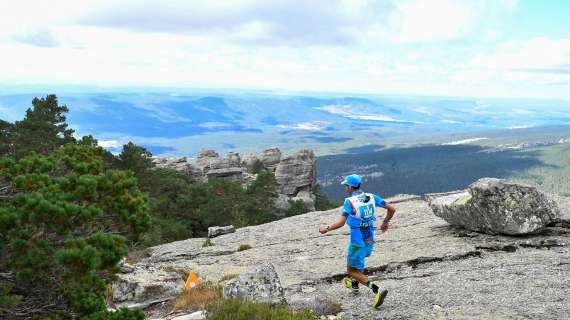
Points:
198	298
228	276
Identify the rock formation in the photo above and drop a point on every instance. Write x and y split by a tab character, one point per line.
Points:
270	158
218	231
261	284
431	269
495	206
295	173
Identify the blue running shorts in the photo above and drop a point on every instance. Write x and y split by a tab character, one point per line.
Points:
356	255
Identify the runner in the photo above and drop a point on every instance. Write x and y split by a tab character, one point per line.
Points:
359	212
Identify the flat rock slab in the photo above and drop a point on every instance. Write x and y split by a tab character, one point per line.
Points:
525	284
311	265
301	254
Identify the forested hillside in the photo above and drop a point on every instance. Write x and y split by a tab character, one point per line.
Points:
423	169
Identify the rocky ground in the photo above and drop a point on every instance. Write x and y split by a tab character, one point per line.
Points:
432	270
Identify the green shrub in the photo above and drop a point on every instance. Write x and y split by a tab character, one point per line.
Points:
296	207
234	309
243	247
207	243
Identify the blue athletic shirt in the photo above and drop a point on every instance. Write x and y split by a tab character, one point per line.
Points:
361	228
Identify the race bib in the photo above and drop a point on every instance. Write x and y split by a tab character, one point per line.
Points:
366	211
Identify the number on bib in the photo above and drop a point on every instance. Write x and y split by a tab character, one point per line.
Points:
366	211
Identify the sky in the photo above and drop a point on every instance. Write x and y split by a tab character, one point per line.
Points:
485	48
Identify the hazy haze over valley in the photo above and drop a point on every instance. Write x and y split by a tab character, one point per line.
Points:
180	123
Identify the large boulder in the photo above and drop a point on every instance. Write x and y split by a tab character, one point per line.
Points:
271	158
296	172
213	166
249	161
205	159
494	206
307	197
218	231
137	288
234	173
180	164
260	285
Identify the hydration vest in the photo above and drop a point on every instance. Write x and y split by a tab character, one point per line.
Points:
363	212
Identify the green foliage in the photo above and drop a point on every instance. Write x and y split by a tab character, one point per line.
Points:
43	130
207	243
234	309
217	202
261	195
167	190
109	160
243	247
7	299
67	227
423	169
88	141
552	175
296	207
135	158
182	208
322	202
257	167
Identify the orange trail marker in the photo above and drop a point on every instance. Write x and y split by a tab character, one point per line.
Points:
192	281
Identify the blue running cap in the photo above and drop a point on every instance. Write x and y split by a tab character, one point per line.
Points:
352	180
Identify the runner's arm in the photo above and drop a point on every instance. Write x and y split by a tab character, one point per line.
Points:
391	210
337	224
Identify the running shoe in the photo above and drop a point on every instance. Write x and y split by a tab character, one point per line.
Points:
379	299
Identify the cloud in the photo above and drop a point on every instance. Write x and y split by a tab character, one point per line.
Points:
251	21
299	23
437	47
537	54
114	144
346	111
554	70
465	141
38	38
309	126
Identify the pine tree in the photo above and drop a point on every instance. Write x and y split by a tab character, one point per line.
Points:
66	228
43	130
135	158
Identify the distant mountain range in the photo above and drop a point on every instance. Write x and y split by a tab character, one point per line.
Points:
182	123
